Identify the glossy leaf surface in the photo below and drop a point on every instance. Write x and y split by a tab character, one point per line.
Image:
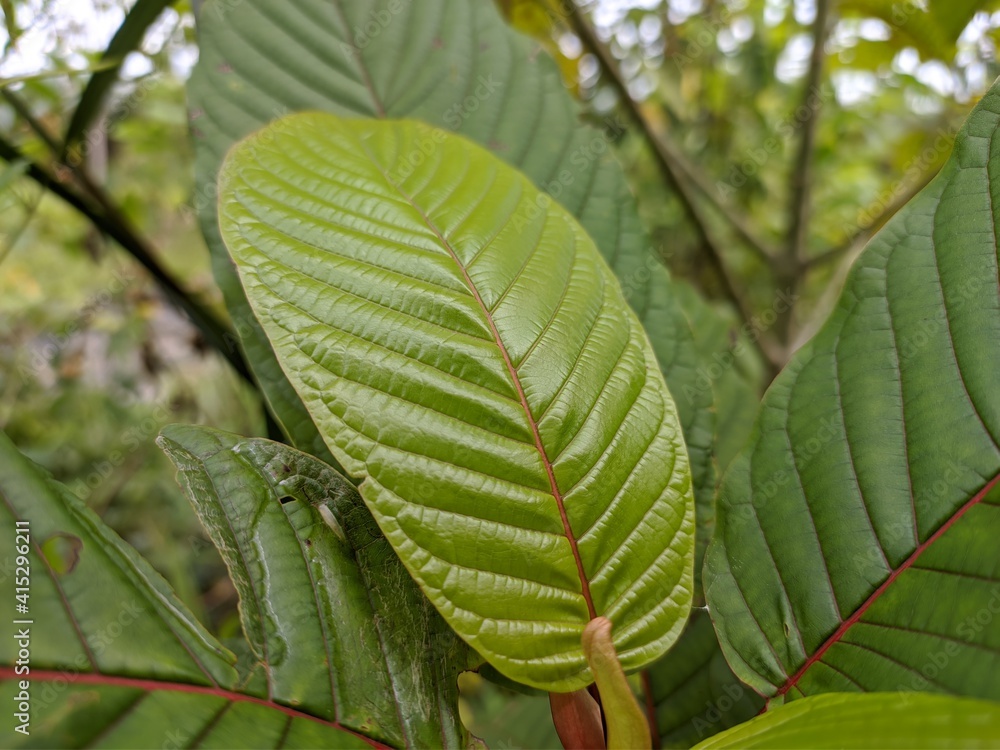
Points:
115	659
856	539
464	349
880	721
456	65
338	627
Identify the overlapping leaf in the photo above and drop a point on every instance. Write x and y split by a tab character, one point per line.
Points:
111	657
463	348
336	623
880	721
856	540
454	64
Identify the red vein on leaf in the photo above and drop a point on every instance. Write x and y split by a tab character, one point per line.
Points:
860	611
91	678
532	423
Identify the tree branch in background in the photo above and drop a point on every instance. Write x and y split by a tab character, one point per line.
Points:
866	233
680	173
791	270
679	178
116	226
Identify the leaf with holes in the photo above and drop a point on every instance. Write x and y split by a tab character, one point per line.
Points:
105	654
457	65
863	722
856	540
465	351
317	579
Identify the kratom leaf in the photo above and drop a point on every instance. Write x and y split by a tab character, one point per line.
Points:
856	540
340	628
113	658
465	351
880	721
127	39
456	65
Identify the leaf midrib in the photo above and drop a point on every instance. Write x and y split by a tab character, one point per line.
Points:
512	371
152	686
907	564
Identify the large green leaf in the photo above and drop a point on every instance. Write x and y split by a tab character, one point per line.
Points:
856	540
456	65
338	625
465	350
110	656
881	721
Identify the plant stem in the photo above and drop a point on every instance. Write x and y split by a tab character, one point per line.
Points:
866	233
678	172
112	223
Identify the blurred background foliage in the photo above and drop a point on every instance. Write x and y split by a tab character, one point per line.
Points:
94	358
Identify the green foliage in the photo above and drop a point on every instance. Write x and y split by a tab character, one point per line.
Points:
870	480
336	626
855	547
518	445
693	692
468	72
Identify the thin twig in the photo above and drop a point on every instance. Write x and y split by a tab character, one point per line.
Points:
668	159
791	270
679	172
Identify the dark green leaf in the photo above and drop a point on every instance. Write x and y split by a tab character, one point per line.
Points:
110	656
856	540
340	629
